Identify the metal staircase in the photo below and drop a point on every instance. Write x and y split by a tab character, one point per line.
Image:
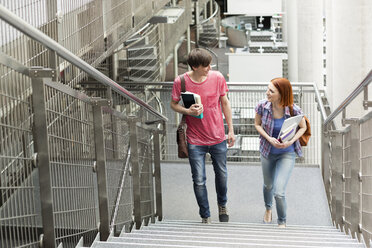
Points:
194	234
139	60
209	35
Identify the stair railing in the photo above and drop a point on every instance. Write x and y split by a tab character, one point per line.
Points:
79	153
243	99
348	167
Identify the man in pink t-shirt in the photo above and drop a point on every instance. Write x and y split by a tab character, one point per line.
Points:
206	135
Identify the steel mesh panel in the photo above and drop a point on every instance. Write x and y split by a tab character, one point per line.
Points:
19	209
40	14
366	169
117	18
146	172
81	32
119	181
347	172
72	154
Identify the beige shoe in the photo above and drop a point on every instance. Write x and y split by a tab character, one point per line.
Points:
282	226
206	220
268	217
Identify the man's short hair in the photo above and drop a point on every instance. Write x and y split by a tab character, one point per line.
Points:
199	57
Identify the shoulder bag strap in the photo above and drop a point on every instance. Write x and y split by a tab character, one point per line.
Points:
183	87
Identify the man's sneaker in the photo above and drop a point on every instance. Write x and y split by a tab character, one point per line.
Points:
206	220
222	214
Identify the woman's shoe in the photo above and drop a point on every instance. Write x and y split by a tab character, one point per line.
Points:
267	217
282	226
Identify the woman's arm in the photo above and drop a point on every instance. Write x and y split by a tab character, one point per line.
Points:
259	128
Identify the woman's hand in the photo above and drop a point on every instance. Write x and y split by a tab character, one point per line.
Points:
195	109
277	144
274	142
284	145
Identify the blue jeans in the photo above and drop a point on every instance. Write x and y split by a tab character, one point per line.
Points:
197	163
277	169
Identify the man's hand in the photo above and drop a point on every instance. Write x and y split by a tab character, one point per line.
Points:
195	109
230	139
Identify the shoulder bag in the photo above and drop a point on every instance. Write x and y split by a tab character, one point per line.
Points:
304	139
181	129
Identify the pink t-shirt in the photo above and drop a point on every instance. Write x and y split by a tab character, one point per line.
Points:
209	130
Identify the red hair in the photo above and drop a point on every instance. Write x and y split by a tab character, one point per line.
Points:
285	90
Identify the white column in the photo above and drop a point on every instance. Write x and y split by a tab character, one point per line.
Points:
284	20
188	44
175	61
310	41
349	50
291	11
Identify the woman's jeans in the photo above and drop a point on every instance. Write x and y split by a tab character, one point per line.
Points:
197	163
277	169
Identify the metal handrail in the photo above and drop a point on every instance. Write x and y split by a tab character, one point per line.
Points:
263	84
18	23
366	81
212	16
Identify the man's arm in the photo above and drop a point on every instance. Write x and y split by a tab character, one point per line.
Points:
226	109
195	109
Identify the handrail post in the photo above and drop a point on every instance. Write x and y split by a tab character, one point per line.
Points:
157	174
41	146
355	186
134	157
336	185
104	227
326	162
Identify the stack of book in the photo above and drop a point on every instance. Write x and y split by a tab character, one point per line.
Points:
289	128
189	98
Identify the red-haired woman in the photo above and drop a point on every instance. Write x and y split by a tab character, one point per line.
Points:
277	158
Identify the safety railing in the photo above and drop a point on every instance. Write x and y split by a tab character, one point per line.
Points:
243	98
348	166
71	165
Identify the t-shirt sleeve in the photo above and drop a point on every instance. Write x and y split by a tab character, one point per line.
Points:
259	109
176	90
223	84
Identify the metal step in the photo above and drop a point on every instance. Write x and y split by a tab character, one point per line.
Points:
243	227
229	242
240	224
247	231
138	62
145	71
142	51
226	236
154	242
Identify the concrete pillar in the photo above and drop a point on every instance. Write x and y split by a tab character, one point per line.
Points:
175	61
291	7
284	20
210	7
188	44
310	41
349	50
